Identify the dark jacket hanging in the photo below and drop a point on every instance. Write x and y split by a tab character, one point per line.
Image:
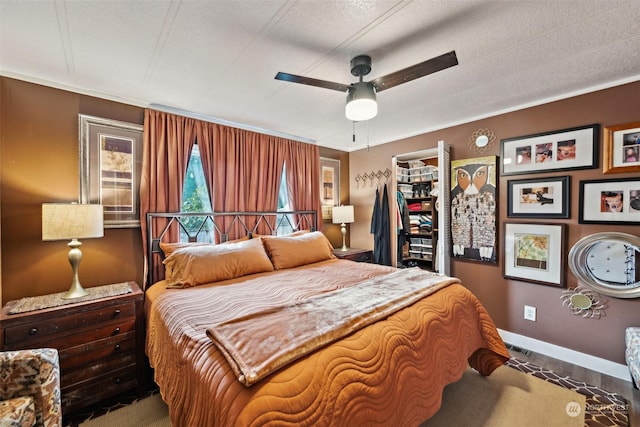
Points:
376	221
385	232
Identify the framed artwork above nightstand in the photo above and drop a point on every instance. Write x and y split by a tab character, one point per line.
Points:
354	254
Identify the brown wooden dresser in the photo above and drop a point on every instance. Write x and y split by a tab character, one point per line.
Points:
100	344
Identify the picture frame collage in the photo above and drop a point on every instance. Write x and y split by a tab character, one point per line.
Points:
530	244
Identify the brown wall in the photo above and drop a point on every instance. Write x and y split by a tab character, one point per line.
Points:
505	299
39	160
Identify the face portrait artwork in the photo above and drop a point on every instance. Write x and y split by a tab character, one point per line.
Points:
566	150
473	209
611	201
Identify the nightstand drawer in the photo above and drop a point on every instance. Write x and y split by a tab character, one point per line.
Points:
96	350
353	254
31	335
98	369
95	389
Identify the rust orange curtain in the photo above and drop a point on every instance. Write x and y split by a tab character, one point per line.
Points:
167	143
247	170
303	177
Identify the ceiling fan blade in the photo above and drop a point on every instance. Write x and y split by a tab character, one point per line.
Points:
416	71
312	82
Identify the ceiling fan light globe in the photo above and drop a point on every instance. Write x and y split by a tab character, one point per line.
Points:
361	102
361	109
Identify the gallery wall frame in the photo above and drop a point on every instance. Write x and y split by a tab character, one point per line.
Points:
560	150
535	252
610	201
329	185
110	157
621	148
539	197
474	201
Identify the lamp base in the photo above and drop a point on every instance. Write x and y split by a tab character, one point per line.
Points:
343	230
75	256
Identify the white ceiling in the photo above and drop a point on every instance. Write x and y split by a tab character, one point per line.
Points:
217	59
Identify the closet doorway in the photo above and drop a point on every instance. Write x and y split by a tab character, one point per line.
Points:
422	182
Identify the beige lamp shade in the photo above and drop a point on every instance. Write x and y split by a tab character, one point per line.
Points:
64	221
342	214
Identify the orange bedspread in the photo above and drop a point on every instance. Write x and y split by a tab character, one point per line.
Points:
391	372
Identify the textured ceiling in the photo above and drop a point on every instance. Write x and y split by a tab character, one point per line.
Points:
217	59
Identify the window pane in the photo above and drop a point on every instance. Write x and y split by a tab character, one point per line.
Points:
195	197
284	222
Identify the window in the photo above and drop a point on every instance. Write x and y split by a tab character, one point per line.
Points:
284	222
195	197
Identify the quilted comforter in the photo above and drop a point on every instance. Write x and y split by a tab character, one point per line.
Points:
391	372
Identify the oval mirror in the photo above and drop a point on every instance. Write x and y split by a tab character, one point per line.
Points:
580	301
482	141
608	263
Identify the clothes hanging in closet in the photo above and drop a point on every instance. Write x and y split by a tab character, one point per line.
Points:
403	222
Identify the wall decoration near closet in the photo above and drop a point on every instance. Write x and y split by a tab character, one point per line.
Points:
473	209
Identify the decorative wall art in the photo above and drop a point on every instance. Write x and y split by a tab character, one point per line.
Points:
330	185
110	167
574	148
621	148
538	198
535	253
613	201
473	209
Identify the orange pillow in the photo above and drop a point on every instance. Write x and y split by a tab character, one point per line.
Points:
197	265
293	251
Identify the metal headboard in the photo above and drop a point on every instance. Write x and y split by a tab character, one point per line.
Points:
218	227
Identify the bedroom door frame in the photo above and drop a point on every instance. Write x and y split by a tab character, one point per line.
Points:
443	249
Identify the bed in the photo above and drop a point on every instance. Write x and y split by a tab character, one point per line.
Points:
384	364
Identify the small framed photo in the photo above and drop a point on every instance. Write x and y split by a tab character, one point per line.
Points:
330	185
612	201
538	198
110	168
535	253
561	150
621	150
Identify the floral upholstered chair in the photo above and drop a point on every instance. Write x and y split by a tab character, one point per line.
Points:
30	388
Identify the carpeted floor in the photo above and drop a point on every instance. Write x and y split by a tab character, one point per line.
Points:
519	393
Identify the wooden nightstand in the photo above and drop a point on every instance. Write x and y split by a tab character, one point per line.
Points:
100	343
353	254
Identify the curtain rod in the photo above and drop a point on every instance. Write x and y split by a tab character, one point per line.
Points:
219	121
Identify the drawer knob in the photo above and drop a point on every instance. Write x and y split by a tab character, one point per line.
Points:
117	380
116	312
33	331
116	331
117	347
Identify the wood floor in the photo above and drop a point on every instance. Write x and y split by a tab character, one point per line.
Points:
612	384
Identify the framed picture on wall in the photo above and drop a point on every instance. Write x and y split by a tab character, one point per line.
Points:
473	209
610	201
560	150
535	253
621	150
329	185
110	168
538	198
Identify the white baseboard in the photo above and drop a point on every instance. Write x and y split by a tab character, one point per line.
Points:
594	363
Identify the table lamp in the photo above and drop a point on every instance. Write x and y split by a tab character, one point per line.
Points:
343	215
63	221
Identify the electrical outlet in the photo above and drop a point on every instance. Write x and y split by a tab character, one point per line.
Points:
530	313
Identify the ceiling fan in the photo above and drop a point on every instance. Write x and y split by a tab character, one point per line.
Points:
361	96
